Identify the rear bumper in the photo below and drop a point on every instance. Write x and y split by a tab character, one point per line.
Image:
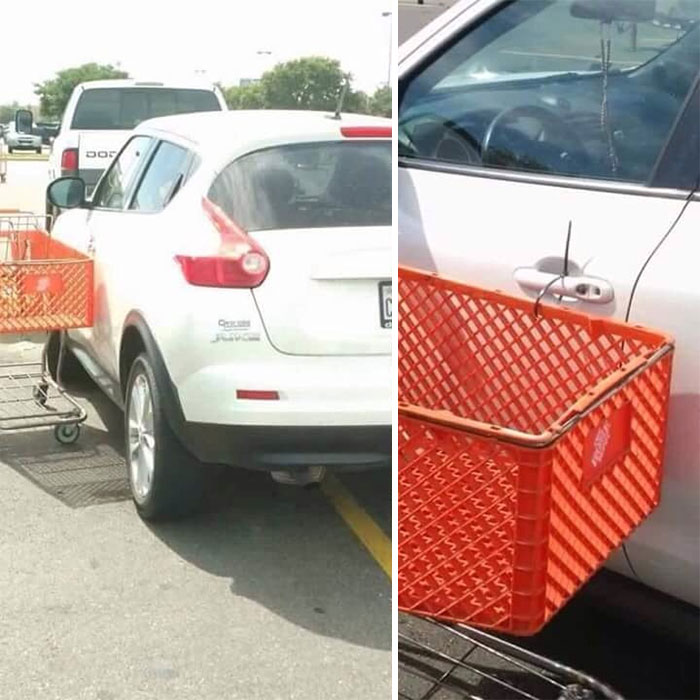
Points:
326	391
24	146
268	448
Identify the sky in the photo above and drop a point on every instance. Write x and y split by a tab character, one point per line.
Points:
224	40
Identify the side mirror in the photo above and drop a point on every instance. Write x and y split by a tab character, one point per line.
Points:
614	10
66	193
24	121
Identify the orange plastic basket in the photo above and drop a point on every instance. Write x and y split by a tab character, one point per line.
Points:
44	284
530	446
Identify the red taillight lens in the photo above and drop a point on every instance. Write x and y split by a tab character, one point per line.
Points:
240	262
256	395
69	159
366	132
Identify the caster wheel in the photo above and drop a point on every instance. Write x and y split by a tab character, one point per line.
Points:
40	393
67	433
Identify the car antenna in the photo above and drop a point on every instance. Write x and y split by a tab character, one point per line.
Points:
341	99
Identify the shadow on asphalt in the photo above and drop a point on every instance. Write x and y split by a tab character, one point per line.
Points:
638	662
282	547
286	549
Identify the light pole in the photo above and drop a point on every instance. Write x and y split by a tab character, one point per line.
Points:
389	14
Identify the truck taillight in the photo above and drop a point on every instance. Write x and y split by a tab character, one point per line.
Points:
69	159
240	261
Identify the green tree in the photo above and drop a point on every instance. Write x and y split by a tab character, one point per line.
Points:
356	101
250	96
380	102
313	82
55	93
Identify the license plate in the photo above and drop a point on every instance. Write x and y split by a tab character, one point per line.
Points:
385	304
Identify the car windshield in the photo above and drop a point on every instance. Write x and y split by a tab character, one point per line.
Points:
541	86
309	186
546	37
125	108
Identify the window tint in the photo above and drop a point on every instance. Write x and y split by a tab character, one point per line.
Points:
114	185
535	88
308	186
163	177
125	108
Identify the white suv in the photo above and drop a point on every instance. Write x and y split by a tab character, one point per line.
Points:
100	115
242	295
511	125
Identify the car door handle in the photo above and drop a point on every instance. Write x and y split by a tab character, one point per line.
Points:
583	287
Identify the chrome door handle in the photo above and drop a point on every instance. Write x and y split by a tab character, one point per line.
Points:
594	290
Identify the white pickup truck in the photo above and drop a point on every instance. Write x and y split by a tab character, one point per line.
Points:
100	115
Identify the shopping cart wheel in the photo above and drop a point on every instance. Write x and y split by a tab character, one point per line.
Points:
67	433
40	393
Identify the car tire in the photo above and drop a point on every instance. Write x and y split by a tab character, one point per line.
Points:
10	149
72	371
166	482
38	151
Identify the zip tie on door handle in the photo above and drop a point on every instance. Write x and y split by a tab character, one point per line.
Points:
561	276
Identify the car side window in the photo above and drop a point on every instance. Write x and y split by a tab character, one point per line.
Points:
549	86
112	190
164	176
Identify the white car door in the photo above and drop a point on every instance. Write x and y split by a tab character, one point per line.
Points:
130	237
96	230
532	164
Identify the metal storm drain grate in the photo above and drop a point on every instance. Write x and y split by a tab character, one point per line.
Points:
88	473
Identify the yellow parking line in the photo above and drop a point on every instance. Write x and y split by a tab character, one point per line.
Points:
359	521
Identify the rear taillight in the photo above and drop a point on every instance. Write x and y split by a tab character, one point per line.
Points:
239	262
69	159
366	132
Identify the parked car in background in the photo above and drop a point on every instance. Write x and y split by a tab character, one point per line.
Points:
511	125
242	296
100	115
16	141
47	131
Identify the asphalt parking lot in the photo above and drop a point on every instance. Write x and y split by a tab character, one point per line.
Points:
267	594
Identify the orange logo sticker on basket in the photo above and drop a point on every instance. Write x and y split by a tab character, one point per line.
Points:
42	284
607	443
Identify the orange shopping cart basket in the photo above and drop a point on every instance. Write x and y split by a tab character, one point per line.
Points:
530	446
44	284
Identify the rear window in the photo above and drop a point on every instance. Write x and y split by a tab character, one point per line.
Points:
308	186
125	108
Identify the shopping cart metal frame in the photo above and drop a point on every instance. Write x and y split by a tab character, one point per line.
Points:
460	662
30	395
